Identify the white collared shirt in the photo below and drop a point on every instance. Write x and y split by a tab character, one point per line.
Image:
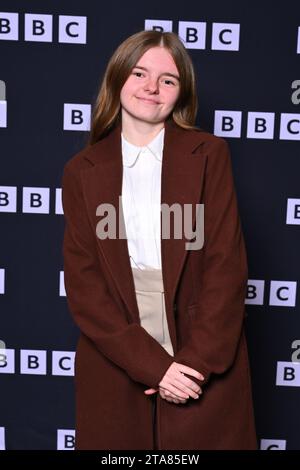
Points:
141	196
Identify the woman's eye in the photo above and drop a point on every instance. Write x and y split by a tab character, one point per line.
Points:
165	80
170	81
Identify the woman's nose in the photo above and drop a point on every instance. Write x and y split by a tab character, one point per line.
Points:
151	85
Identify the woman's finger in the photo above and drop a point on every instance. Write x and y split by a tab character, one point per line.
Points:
188	370
167	395
187	386
176	391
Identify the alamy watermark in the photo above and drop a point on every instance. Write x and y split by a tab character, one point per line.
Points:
182	216
296	354
296	94
2	91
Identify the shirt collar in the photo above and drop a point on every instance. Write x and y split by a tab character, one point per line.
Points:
131	152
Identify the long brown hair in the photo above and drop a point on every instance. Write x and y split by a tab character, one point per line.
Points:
107	108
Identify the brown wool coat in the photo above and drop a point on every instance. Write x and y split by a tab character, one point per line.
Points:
116	359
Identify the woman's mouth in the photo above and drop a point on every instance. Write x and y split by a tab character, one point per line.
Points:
148	100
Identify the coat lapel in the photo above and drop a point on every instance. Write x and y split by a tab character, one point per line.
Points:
183	167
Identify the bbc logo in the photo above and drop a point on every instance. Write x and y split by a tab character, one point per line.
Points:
61	287
65	439
260	125
224	36
77	117
281	293
293	211
273	444
3	104
39	28
35	200
34	362
2	438
288	374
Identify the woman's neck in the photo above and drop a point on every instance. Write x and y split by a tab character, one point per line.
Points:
141	133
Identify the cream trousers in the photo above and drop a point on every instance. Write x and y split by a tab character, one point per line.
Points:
150	297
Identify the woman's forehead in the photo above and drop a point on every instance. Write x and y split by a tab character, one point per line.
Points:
157	57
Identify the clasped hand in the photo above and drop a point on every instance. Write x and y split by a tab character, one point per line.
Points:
175	386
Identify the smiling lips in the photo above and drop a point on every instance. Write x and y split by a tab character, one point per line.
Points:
146	100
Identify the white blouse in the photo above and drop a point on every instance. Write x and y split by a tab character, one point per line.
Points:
141	195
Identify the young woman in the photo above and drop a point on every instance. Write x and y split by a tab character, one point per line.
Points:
162	360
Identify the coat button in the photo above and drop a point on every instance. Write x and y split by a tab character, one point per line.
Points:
175	308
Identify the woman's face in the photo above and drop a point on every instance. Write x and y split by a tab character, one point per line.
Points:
152	89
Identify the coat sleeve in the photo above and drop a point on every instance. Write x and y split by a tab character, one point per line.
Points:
219	312
92	306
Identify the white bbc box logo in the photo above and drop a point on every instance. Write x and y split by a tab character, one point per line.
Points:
3	104
7	361
2	438
33	362
228	123
289	126
65	439
58	201
63	362
288	374
3	113
272	444
62	290
72	29
160	25
38	27
8	199
255	292
225	36
192	34
36	200
260	125
2	281
283	293
77	117
9	26
293	211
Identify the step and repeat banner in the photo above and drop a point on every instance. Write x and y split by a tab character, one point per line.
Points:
52	57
